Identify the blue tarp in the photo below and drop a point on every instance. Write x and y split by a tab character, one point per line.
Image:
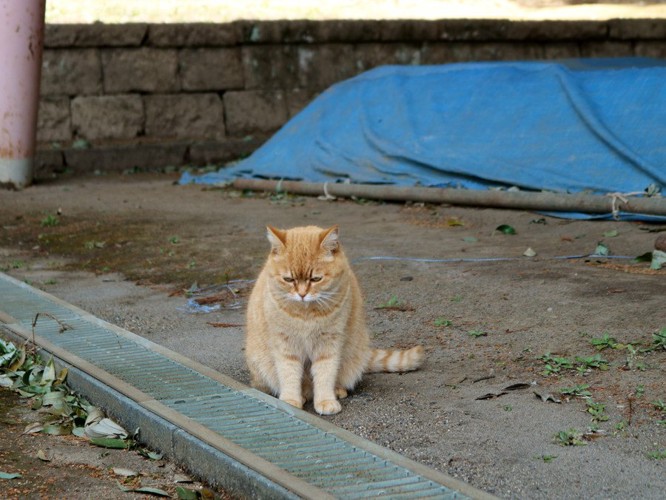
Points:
596	125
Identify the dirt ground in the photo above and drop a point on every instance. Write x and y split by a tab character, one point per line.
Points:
127	248
69	467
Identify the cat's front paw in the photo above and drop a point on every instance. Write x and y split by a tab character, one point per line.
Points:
328	407
293	402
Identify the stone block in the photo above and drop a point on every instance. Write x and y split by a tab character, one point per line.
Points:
70	72
438	53
606	49
638	29
278	32
651	49
193	35
554	30
498	51
211	69
564	50
195	116
224	151
253	111
140	70
53	120
297	99
58	35
370	55
48	162
444	52
119	157
94	35
270	67
349	31
413	30
323	65
107	117
308	31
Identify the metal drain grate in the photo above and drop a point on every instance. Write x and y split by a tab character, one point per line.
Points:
302	448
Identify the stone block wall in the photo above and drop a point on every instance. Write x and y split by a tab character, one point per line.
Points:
154	95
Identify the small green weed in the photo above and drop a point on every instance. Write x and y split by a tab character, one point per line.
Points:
15	264
477	333
91	245
640	391
659	340
606	341
554	364
394	304
571	437
174	240
657	455
586	363
621	426
659	405
49	221
391	302
547	458
632	359
443	322
580	391
598	411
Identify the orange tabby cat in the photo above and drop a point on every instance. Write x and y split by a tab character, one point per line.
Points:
306	334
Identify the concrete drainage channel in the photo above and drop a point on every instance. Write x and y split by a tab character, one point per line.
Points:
223	431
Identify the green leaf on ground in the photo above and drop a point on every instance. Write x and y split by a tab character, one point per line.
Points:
186	494
10	475
601	250
114	443
658	260
571	437
443	322
605	341
505	229
645	257
477	333
147	491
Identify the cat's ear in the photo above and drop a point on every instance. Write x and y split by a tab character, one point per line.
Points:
329	239
277	238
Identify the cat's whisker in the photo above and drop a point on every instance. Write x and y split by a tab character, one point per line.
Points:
326	299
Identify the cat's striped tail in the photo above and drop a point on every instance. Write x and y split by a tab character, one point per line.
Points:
395	360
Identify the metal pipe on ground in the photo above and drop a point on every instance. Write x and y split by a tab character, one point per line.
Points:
523	200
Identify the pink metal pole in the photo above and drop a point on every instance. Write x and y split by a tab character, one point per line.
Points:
21	42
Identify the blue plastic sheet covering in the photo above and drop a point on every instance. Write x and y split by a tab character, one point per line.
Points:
595	125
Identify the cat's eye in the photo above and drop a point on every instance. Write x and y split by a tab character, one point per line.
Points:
288	279
315	279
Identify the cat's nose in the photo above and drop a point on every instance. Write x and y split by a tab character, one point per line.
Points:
302	290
